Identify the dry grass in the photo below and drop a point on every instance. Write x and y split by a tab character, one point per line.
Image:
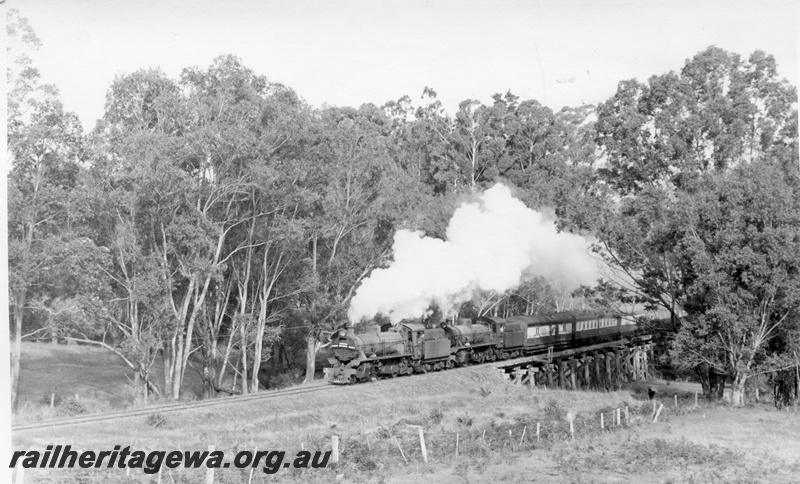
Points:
488	415
79	379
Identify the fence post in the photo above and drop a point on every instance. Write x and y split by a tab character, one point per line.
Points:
602	422
252	468
570	417
401	450
660	408
210	470
335	449
422	444
421	441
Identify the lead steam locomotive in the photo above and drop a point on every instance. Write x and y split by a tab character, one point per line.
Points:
411	347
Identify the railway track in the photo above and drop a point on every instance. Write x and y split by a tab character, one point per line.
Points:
317	386
172	407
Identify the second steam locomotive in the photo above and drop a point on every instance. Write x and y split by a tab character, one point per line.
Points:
410	347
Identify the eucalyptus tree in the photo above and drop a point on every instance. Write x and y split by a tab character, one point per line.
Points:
659	140
46	148
131	179
247	135
741	240
362	197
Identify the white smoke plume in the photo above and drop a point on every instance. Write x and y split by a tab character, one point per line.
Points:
492	244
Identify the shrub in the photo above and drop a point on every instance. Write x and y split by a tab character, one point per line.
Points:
436	416
282	380
72	406
156	420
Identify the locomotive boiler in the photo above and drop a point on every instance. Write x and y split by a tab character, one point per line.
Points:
411	347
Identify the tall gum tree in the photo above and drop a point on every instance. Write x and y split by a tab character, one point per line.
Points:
743	271
363	197
249	132
657	139
45	147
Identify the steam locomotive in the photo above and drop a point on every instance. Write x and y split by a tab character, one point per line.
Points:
411	347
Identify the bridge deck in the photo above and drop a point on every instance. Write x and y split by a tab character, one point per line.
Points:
546	357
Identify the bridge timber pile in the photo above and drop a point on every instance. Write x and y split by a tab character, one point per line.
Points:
601	366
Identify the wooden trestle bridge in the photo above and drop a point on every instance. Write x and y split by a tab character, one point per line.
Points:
600	366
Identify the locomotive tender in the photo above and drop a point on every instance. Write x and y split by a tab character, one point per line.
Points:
410	347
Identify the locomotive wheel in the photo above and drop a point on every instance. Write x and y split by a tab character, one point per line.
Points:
353	379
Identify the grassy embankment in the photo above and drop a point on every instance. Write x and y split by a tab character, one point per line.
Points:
481	411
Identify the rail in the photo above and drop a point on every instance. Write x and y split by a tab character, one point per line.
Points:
172	407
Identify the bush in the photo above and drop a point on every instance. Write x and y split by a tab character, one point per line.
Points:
72	406
282	380
156	420
436	416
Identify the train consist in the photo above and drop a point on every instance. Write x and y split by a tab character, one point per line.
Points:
411	347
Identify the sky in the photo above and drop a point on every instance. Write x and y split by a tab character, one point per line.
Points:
346	53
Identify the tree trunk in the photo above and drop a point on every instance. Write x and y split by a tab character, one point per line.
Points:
702	372
16	351
167	357
243	357
716	384
226	358
209	367
737	389
312	345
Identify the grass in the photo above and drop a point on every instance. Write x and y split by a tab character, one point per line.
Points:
78	379
477	408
